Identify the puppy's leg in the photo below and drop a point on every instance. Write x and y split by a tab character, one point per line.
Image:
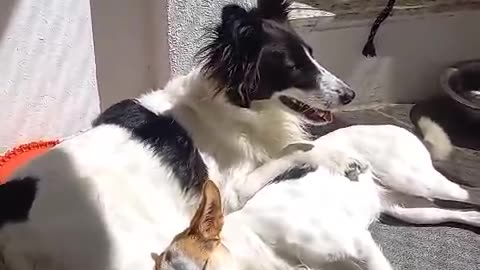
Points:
444	189
416	210
343	161
245	188
369	256
427	182
301	154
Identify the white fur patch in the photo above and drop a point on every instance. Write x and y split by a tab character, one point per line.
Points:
328	82
435	138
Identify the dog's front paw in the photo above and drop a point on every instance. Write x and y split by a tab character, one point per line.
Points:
295	148
354	169
339	161
300	155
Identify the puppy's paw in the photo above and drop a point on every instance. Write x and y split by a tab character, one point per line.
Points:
339	161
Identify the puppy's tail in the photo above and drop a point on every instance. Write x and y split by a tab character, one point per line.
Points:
435	139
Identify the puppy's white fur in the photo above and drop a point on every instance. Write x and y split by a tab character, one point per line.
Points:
324	217
318	219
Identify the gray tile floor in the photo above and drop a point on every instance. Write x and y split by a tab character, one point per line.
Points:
442	247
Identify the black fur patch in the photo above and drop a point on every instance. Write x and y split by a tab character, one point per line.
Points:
16	199
293	173
166	137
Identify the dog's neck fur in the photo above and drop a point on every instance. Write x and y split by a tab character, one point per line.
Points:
247	251
240	135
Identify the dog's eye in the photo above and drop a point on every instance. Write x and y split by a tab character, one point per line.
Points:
292	67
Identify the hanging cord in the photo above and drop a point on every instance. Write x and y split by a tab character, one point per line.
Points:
369	48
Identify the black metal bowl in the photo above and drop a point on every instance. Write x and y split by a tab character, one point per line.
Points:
461	82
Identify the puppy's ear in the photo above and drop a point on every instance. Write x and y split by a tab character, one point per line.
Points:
157	260
155	256
274	9
208	220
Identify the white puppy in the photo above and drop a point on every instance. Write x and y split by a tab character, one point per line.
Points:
322	216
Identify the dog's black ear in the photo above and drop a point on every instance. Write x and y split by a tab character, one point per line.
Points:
274	9
230	58
237	26
232	12
246	46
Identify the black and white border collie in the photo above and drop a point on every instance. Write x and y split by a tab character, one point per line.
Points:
106	198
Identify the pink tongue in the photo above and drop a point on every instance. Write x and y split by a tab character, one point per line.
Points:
328	116
321	116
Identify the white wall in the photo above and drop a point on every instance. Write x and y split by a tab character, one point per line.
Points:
52	80
411	53
131	47
47	71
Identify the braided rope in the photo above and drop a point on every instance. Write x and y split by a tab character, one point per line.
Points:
369	48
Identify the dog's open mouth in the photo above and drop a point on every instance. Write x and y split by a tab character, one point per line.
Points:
312	114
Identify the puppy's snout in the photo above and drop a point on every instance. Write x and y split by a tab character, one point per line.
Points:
346	96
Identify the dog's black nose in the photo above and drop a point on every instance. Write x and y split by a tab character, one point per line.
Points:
347	96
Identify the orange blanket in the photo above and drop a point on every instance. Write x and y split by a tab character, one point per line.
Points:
18	156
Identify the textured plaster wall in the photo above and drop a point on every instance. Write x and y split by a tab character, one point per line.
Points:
47	71
187	21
